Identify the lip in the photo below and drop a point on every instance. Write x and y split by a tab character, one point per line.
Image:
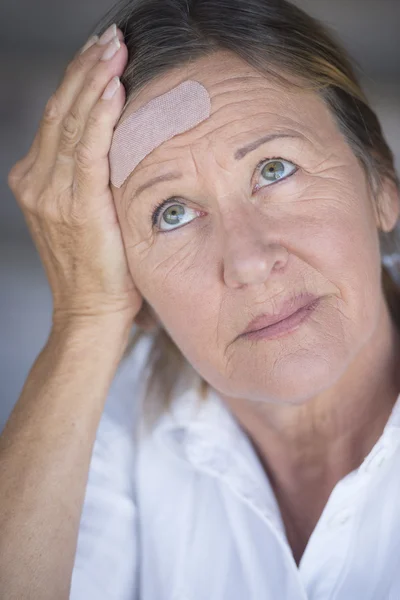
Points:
288	308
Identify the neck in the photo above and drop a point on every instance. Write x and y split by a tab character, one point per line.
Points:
306	449
329	435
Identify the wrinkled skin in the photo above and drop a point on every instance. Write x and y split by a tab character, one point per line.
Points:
250	248
315	401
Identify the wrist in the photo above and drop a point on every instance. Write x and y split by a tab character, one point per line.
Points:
112	330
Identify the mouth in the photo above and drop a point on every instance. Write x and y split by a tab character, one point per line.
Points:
287	320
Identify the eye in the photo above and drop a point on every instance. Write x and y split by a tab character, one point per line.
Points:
274	169
174	214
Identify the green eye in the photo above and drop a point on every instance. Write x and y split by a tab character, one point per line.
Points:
168	214
172	214
273	170
276	169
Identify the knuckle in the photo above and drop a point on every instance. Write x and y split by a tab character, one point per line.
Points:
71	128
13	176
21	182
72	66
94	121
92	83
28	195
47	212
52	112
69	209
78	64
83	156
52	204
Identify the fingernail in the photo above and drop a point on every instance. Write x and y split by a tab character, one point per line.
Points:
111	49
89	43
111	88
108	35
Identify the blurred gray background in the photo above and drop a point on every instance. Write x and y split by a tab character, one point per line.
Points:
37	40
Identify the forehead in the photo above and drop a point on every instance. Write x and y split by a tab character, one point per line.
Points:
242	101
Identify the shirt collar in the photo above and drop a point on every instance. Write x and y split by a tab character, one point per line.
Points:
189	413
205	434
191	419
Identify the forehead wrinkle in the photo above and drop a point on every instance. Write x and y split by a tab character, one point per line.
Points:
176	143
298	131
285	133
202	129
251	81
283	119
142	168
256	94
256	86
310	106
204	126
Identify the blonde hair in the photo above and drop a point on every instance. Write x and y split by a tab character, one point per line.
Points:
270	35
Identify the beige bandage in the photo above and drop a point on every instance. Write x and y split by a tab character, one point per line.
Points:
174	112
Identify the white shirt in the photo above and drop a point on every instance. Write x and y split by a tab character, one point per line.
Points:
187	513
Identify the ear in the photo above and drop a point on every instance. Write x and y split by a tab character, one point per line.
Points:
387	206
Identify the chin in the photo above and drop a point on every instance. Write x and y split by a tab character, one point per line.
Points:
302	379
292	380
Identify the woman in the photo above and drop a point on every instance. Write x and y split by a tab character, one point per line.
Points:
254	266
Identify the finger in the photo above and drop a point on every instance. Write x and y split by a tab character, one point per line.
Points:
89	43
59	104
27	162
70	143
95	38
96	81
23	165
92	171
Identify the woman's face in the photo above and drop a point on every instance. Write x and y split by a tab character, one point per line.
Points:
244	242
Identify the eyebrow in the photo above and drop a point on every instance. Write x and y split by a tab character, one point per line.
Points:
239	154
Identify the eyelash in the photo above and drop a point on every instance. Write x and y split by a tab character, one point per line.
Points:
166	201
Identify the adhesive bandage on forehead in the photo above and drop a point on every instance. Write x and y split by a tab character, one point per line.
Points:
172	113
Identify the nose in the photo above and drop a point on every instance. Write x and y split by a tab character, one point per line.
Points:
250	253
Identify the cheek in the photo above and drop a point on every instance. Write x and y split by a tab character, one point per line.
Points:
334	221
184	291
338	244
171	275
139	245
328	229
